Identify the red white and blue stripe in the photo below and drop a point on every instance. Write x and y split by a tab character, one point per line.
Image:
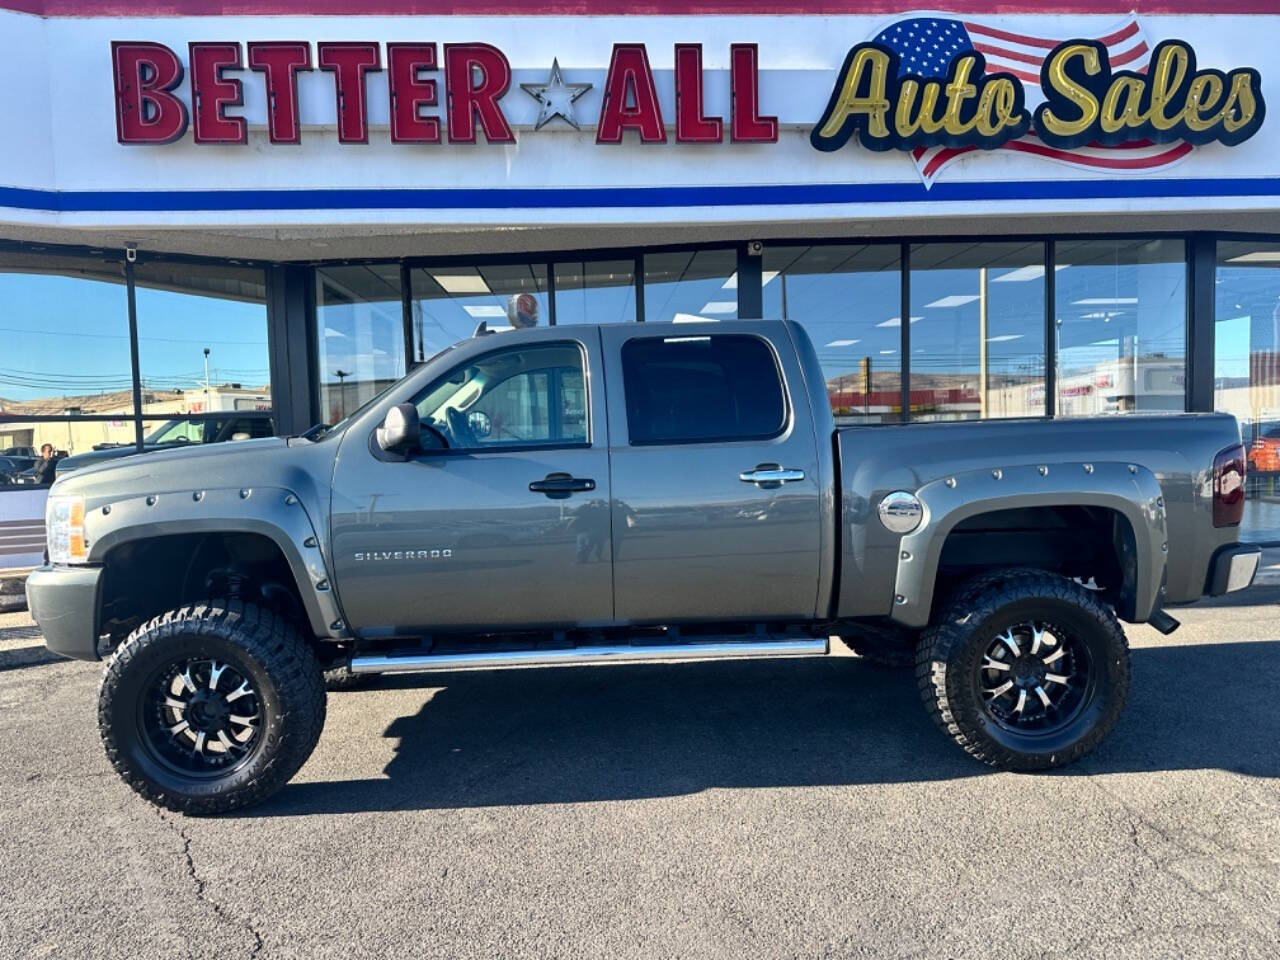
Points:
926	46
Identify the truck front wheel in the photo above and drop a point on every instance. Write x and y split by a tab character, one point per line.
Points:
1026	672
211	707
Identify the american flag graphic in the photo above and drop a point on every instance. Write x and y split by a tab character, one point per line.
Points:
926	46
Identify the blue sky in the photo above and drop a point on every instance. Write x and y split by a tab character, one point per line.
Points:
60	335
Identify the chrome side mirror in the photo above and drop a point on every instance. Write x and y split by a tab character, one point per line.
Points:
401	429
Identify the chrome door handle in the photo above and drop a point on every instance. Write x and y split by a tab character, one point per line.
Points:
771	474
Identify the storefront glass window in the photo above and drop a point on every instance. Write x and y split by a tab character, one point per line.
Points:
202	338
1246	376
1121	320
449	302
64	336
691	285
848	297
360	328
977	330
595	291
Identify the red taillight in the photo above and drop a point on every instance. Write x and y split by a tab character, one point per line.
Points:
1228	487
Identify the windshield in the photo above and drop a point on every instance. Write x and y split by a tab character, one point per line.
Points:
178	431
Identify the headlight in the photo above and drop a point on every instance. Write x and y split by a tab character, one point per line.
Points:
64	527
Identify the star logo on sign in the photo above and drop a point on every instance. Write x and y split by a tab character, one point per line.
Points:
555	97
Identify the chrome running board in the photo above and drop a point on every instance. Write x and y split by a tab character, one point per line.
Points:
410	662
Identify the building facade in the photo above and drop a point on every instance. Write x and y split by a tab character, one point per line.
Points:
1068	211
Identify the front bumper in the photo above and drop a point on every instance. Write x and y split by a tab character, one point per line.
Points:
64	602
1233	568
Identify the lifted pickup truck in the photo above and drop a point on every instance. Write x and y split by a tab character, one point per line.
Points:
617	493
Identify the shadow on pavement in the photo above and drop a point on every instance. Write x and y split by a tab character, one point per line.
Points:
573	735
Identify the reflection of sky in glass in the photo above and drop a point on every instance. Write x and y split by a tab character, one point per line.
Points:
847	298
449	302
62	336
971	297
1121	323
174	328
1248	306
946	308
1109	290
595	292
691	285
360	328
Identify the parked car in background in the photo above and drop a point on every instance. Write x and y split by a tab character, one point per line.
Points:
180	432
11	466
30	453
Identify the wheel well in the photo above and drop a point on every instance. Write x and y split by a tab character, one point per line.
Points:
1081	542
145	578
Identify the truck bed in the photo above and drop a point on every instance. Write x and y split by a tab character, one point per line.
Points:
1023	460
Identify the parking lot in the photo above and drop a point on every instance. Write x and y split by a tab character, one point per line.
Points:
750	809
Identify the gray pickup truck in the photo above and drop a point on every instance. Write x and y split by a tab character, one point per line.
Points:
618	493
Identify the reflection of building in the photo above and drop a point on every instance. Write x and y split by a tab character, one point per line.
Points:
1009	285
77	435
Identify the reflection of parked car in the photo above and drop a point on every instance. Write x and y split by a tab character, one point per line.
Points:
1264	452
28	453
12	466
178	433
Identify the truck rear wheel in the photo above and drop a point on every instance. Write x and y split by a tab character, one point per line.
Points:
1026	671
211	707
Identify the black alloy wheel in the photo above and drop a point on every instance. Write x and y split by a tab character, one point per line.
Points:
201	717
1034	677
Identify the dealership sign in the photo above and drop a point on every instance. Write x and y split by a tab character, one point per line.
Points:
929	86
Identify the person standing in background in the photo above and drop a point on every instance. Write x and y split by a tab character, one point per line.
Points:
46	465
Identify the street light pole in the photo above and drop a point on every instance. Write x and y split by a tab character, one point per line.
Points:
207	400
342	392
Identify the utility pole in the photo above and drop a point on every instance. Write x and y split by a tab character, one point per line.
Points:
208	403
342	391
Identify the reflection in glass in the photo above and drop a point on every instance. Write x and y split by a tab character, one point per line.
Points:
450	302
533	395
64	335
977	330
360	327
848	297
1246	376
202	338
1121	319
595	291
21	443
689	286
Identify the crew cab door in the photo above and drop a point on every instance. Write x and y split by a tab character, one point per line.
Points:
716	494
506	527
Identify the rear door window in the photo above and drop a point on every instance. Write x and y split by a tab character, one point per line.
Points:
702	389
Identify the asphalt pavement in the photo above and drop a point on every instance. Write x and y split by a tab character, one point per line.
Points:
750	809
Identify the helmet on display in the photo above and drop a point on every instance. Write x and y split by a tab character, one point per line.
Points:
522	310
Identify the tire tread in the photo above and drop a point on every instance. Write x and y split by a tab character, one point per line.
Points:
973	602
262	635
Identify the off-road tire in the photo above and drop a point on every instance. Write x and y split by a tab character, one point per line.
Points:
951	651
268	649
339	678
887	647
